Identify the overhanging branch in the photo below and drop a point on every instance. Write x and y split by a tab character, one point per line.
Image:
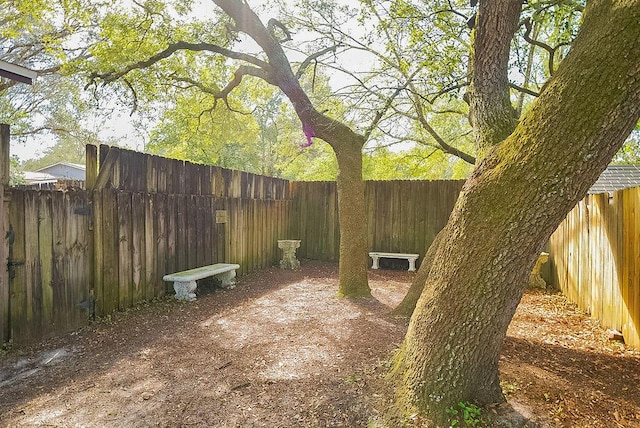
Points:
170	50
525	90
550	50
303	66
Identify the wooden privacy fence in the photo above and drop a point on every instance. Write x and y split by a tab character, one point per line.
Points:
139	172
402	215
78	253
595	260
140	237
73	254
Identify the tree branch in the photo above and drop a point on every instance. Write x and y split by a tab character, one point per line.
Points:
551	51
271	26
170	50
243	70
314	123
304	64
525	90
387	104
443	145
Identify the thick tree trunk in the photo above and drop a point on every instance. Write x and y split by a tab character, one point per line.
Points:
408	304
352	214
492	116
346	144
507	210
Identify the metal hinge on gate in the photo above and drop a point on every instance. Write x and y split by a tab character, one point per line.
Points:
11	264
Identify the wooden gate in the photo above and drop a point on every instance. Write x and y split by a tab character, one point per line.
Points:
48	262
5	329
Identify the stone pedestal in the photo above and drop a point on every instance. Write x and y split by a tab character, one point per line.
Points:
185	290
289	260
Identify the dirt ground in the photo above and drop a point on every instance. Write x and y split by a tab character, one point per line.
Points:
280	350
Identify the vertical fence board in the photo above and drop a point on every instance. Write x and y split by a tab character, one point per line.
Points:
45	256
171	257
98	252
633	303
160	226
19	315
191	226
180	213
125	249
32	262
5	143
138	261
78	252
61	268
150	246
110	266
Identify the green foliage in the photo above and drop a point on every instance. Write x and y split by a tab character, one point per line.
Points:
44	36
66	150
465	415
16	174
5	348
629	153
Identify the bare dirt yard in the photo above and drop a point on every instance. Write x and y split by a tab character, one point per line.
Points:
281	350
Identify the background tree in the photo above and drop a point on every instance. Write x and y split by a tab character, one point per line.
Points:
515	198
44	36
403	56
260	134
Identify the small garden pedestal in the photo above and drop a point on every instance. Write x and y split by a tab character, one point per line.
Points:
535	279
289	260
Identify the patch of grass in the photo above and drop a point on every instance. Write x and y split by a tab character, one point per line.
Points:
5	348
509	388
466	415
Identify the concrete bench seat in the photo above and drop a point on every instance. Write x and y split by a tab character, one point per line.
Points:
184	283
376	255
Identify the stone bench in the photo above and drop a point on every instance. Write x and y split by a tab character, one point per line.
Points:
185	282
375	256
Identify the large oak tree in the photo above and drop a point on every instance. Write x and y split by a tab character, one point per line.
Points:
532	174
273	66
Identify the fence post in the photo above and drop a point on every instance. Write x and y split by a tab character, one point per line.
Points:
91	162
5	137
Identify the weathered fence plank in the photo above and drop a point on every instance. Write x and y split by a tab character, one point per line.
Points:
45	261
20	315
110	267
125	248
138	246
5	142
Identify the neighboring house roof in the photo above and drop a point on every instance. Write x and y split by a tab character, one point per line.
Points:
617	177
38	177
65	170
17	72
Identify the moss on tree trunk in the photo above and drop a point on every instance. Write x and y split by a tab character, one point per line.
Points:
507	210
353	280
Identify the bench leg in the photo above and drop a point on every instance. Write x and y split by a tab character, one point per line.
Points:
185	290
227	279
375	264
412	265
